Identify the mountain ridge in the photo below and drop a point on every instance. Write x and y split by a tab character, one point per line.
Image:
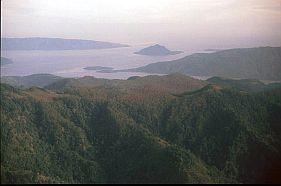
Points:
45	43
262	63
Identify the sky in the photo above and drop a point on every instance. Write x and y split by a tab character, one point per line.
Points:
180	24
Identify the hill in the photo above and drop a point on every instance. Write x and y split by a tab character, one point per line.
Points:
247	85
38	43
157	50
96	139
263	63
141	89
155	129
173	83
39	80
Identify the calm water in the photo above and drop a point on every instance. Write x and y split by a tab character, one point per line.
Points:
70	63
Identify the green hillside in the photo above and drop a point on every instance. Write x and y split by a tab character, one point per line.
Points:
155	129
247	85
262	63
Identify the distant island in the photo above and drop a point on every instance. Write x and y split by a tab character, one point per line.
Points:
98	68
157	50
5	61
101	69
38	43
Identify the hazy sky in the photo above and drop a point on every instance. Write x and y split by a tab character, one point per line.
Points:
182	24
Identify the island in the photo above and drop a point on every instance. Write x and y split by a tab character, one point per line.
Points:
157	50
101	69
98	68
5	61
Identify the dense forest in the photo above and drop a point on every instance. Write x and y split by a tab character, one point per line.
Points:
154	129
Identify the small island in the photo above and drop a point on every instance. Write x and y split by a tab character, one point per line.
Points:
5	61
157	50
99	68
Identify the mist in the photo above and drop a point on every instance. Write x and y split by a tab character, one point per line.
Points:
180	24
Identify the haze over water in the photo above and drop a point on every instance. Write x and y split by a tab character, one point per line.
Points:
185	25
71	63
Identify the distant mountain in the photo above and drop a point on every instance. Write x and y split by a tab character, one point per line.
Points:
38	43
262	63
157	50
38	80
5	61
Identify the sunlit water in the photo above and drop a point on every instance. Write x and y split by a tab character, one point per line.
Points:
71	63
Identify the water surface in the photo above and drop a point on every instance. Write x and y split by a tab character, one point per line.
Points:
71	63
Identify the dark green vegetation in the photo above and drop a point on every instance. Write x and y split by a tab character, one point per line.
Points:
157	50
39	80
247	85
262	63
154	129
5	61
40	43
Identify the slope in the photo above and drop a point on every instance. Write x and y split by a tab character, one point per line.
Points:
262	63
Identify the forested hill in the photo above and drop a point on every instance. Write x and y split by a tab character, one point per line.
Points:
262	63
38	80
101	131
247	85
